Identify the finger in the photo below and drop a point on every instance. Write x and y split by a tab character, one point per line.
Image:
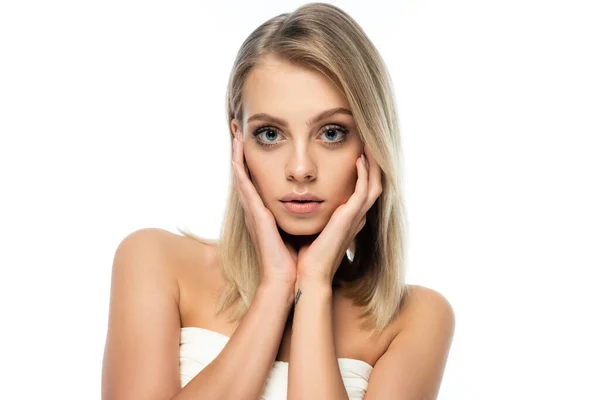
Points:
233	161
238	188
236	156
238	148
239	156
375	186
245	185
244	191
359	196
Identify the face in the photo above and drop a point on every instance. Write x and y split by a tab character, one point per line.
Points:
286	150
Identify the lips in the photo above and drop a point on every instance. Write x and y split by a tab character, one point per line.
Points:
301	197
302	207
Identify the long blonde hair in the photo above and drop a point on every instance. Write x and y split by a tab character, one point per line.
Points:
323	37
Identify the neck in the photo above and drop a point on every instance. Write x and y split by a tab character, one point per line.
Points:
297	241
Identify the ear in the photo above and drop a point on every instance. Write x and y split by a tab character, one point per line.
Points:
236	128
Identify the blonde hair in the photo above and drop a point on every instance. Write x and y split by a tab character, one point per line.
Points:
323	37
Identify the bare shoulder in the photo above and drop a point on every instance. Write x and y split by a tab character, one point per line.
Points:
421	298
195	262
139	247
145	238
423	303
142	341
199	278
179	253
419	351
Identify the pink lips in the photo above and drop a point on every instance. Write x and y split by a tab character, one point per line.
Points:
302	208
308	196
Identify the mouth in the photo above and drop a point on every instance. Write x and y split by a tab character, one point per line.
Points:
302	206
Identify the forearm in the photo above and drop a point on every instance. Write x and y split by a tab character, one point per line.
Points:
314	371
242	367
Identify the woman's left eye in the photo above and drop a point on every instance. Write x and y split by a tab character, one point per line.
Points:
334	130
329	131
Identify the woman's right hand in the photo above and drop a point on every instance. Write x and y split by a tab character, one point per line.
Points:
277	259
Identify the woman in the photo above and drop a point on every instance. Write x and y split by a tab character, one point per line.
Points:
303	297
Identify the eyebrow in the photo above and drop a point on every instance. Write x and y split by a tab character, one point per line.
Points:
319	117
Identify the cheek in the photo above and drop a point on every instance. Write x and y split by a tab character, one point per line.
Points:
259	174
343	181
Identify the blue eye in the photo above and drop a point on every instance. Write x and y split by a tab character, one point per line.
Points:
271	133
334	130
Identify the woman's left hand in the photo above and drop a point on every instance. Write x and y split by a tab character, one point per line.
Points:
320	260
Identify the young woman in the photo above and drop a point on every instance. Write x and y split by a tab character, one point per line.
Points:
303	296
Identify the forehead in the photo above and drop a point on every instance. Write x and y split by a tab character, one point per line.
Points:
279	87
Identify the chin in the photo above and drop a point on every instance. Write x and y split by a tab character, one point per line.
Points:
300	225
296	230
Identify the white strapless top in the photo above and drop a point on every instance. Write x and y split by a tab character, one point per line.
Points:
199	346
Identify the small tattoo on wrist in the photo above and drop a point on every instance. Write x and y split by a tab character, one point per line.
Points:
297	296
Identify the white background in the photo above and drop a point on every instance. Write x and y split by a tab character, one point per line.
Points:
112	119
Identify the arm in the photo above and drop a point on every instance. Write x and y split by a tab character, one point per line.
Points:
314	370
414	363
141	357
249	355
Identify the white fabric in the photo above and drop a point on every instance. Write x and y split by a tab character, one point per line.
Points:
199	346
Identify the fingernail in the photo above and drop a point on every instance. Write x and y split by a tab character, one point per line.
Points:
363	159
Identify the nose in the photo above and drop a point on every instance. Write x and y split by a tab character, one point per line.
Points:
301	166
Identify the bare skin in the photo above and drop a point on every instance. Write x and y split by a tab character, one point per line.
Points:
200	280
162	282
281	157
295	156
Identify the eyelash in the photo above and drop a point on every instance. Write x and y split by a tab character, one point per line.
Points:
335	127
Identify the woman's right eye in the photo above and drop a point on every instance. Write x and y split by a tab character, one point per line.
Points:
267	134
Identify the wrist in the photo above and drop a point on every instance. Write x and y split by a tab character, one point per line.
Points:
312	279
319	283
314	291
283	291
